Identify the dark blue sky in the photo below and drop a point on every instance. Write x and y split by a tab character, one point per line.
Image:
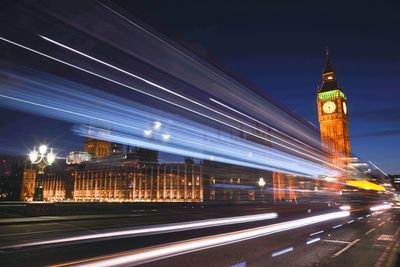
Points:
280	47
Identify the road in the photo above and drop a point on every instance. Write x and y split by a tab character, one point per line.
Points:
361	239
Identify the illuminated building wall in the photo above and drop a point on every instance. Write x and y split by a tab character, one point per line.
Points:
54	186
98	148
143	182
28	184
285	186
226	182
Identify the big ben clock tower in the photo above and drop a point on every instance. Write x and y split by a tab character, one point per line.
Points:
333	117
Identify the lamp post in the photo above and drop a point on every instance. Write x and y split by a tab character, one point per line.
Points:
261	183
41	158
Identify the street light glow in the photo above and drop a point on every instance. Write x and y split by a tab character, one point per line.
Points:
51	157
157	125
33	156
261	182
42	149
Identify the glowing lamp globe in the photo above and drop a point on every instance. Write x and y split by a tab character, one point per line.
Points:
51	157
42	149
33	156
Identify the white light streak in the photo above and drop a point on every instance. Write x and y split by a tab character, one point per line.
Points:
168	250
157	229
345	207
318	158
381	207
378	168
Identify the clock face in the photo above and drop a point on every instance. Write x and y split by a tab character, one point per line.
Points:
329	107
344	107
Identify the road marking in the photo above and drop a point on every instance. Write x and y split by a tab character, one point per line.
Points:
316	233
360	218
336	241
240	264
373	229
350	221
337	226
313	240
346	248
283	251
386	237
367	215
382	223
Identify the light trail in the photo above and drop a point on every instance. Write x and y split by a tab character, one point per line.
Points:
381	207
182	96
230	84
216	154
379	169
196	103
186	138
154	230
262	123
173	249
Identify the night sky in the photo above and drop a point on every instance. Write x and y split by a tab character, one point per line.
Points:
279	47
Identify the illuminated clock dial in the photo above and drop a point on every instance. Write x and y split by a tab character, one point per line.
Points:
329	107
344	107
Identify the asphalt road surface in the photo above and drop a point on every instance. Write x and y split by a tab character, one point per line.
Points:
361	239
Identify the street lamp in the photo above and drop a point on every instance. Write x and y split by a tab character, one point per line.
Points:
42	158
261	182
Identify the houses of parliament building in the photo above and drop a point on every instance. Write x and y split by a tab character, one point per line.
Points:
103	172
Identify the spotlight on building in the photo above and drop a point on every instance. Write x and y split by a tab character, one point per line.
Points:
157	125
147	133
166	136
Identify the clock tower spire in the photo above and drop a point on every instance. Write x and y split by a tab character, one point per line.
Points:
333	117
